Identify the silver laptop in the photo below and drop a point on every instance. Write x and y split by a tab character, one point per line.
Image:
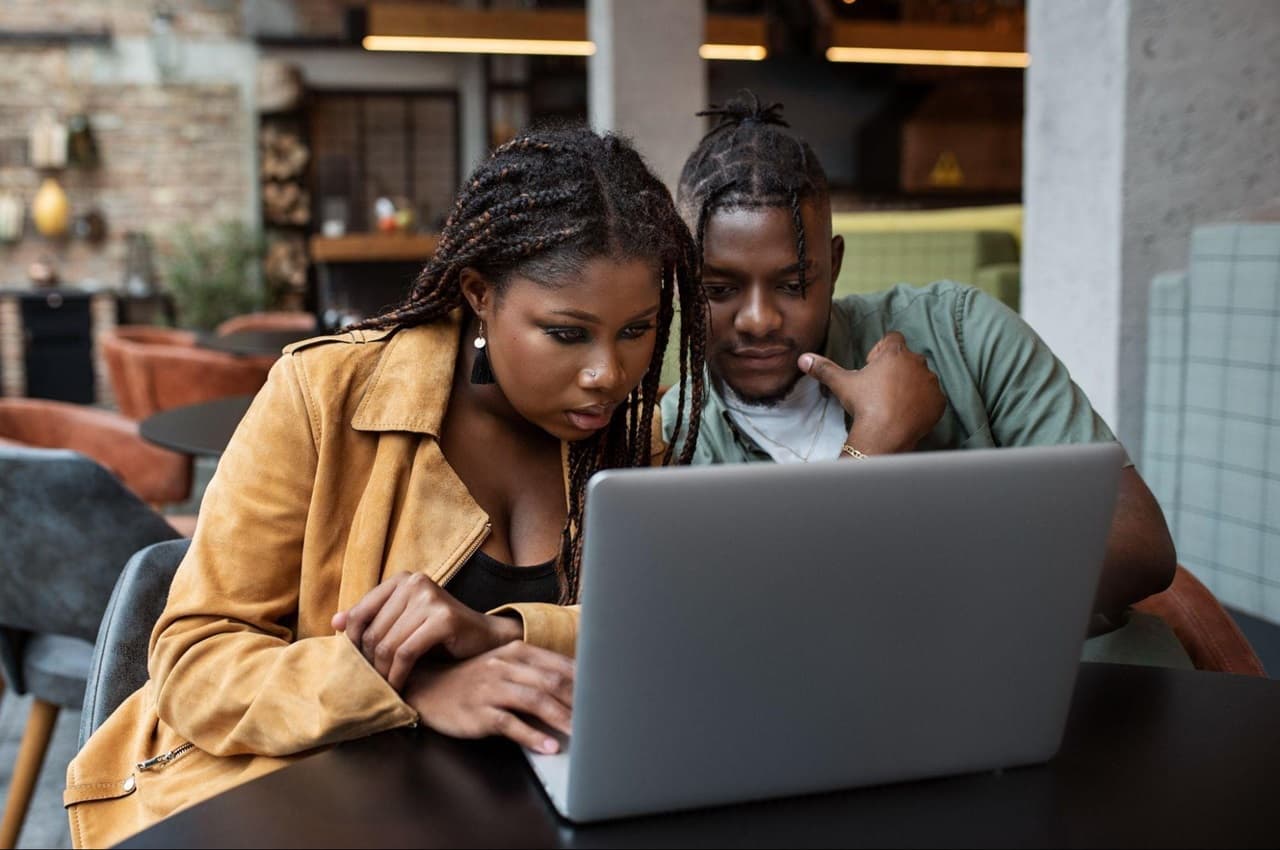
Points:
760	630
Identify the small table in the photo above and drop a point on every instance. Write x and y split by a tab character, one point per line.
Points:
197	429
1151	757
254	343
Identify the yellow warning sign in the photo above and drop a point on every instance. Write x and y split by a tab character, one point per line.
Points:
946	171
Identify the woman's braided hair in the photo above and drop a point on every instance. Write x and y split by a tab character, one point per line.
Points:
749	160
542	206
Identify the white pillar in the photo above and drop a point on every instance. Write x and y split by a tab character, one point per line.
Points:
1144	119
472	118
646	79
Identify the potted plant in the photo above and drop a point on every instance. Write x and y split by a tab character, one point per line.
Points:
213	273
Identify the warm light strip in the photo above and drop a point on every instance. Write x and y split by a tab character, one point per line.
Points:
907	56
747	52
525	46
536	47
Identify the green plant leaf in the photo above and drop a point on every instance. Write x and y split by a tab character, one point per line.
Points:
214	272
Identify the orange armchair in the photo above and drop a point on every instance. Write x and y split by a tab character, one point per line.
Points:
1202	625
149	374
155	475
271	320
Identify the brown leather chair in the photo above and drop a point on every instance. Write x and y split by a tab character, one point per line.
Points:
156	335
1202	625
155	475
277	320
148	375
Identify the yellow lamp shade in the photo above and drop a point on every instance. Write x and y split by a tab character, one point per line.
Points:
50	210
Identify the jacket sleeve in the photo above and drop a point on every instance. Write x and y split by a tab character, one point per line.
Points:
553	627
229	672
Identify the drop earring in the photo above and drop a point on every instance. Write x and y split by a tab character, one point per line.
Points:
481	372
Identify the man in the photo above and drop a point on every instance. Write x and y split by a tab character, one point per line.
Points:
796	377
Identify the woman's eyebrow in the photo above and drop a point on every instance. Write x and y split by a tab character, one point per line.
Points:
593	319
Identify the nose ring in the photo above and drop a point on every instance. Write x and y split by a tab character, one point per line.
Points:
592	374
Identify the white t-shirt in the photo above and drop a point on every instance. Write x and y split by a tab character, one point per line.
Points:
806	425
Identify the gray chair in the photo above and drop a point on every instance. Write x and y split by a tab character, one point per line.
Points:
67	528
119	665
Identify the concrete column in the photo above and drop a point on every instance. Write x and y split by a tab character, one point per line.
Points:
1144	119
472	108
646	79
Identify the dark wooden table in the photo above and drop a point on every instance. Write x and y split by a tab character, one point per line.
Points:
1151	757
197	429
254	343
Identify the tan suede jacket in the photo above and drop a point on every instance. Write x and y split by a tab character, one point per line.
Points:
334	481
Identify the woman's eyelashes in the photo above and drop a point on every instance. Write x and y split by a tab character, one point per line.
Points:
573	336
637	331
568	336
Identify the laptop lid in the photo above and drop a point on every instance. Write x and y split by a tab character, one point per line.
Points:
759	630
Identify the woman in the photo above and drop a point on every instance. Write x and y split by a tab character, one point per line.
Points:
391	484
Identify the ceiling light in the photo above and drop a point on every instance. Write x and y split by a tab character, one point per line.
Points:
525	46
748	52
913	56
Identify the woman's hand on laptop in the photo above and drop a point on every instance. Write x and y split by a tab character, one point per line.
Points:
487	695
408	616
894	400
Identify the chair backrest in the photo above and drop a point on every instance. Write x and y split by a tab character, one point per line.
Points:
1202	625
154	335
271	320
149	377
66	529
1211	416
155	475
120	654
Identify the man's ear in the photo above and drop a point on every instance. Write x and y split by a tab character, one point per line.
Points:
837	257
478	291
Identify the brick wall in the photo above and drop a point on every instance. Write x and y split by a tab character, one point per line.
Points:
169	154
193	18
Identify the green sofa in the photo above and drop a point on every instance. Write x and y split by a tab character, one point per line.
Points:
987	259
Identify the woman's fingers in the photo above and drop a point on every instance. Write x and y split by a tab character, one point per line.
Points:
363	612
549	695
382	622
505	723
418	643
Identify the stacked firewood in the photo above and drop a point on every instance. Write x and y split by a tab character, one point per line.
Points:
284	162
286	266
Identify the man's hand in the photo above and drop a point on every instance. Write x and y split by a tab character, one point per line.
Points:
895	400
487	695
408	615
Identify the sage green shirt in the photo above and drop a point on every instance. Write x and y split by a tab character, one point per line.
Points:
1004	387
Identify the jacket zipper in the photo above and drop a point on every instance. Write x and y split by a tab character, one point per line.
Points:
466	556
165	758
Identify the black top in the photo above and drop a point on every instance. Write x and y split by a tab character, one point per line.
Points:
483	583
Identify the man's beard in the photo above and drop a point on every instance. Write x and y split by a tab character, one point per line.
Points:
772	399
